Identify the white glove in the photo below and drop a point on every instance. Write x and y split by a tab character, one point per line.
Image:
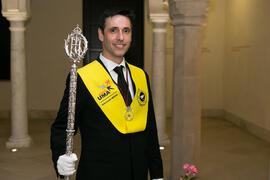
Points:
66	164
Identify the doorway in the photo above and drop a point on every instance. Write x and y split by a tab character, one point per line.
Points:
92	9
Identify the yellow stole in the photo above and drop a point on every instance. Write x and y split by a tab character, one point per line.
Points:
108	97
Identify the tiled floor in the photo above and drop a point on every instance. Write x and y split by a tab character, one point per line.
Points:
227	153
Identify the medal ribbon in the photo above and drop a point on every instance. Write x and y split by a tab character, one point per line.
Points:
126	96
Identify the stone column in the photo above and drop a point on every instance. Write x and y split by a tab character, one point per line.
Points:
187	17
159	73
16	13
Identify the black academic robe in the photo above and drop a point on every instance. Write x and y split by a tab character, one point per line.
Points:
107	154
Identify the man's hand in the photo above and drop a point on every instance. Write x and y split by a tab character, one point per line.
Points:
66	164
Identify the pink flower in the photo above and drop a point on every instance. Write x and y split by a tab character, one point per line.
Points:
187	173
193	169
190	172
186	166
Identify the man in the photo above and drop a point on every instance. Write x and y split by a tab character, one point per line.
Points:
114	112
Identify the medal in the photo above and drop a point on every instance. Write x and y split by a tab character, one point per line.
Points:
129	114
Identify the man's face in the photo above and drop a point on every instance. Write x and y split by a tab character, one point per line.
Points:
116	38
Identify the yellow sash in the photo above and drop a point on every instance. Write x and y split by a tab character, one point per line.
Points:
108	97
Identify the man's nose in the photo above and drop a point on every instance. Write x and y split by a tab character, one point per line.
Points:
120	35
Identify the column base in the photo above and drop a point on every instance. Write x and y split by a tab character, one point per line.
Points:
18	142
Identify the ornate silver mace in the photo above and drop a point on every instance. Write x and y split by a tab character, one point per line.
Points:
76	47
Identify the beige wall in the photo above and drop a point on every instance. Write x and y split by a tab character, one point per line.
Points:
247	61
235	60
5	94
47	64
213	56
147	43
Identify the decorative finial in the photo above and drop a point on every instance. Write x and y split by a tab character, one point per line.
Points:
76	45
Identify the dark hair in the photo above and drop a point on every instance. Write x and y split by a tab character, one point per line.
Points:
113	12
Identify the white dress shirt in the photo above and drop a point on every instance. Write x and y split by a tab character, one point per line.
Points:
110	65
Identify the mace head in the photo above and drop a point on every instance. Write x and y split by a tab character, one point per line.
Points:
76	45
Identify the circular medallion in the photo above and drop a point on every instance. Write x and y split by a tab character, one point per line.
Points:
141	97
129	114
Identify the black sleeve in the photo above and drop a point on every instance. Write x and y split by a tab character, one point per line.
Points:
58	128
155	161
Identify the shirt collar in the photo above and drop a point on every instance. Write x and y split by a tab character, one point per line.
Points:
109	64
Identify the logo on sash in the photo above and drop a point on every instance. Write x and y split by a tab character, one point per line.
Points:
106	90
141	97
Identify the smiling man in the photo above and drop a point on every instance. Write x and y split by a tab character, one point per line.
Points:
114	112
115	37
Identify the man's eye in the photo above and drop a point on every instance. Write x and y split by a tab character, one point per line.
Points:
113	30
126	30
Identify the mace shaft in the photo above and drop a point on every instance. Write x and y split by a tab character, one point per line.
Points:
71	111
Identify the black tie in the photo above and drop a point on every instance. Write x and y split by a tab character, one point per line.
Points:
122	85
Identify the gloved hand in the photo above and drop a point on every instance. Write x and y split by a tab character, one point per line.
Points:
66	164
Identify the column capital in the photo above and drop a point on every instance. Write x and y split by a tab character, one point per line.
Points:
15	16
188	12
16	10
159	18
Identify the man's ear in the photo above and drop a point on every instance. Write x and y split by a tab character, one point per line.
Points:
100	35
